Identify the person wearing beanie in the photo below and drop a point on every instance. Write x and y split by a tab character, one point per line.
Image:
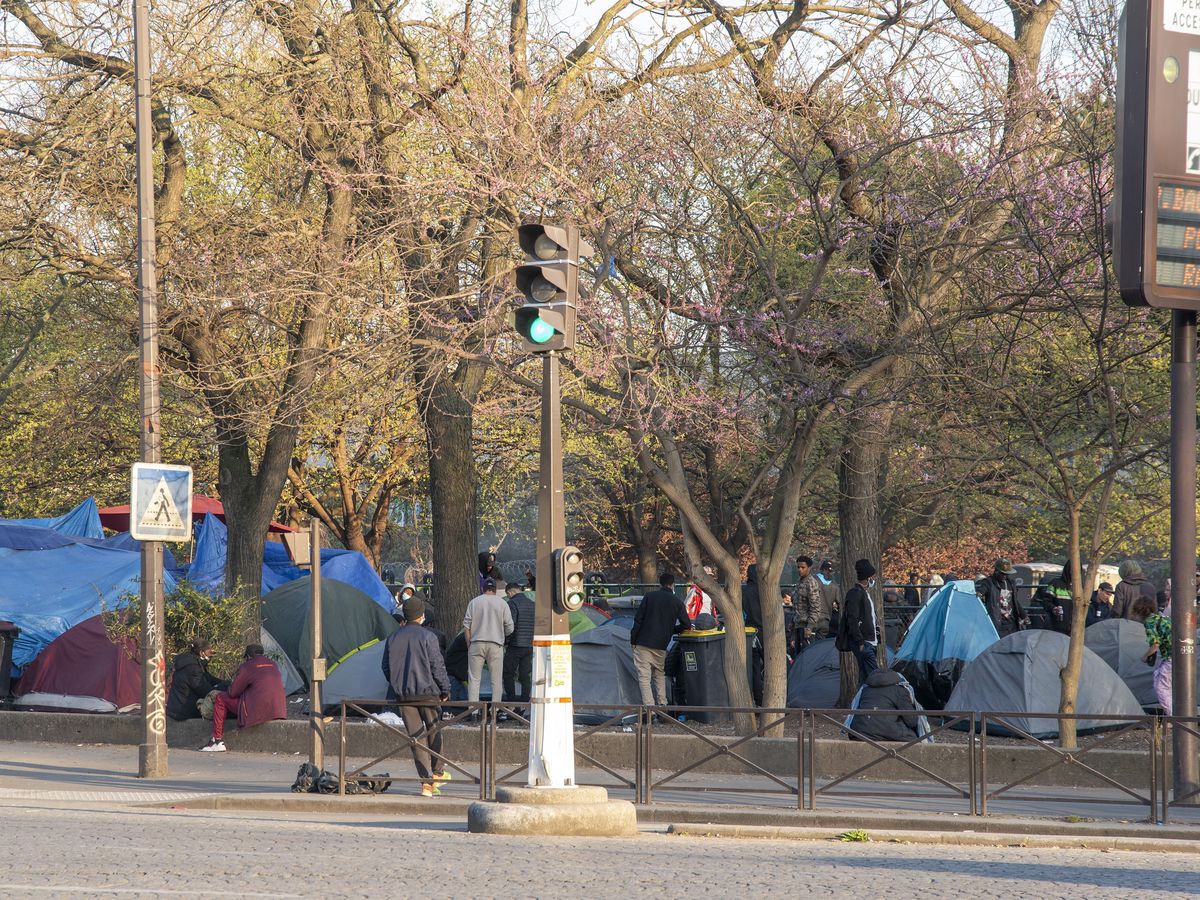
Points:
256	695
858	629
1133	584
416	674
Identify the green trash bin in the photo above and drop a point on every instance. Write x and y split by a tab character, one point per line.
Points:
700	679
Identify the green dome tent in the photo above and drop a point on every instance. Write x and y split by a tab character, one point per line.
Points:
349	619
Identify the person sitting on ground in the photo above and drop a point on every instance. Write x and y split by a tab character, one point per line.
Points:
256	693
886	689
416	673
191	681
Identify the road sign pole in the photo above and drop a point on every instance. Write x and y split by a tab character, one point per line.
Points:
152	752
316	720
1183	547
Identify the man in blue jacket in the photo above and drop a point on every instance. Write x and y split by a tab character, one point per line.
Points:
413	666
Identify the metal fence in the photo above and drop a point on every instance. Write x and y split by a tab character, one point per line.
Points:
778	755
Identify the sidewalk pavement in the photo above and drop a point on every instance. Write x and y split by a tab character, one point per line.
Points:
258	784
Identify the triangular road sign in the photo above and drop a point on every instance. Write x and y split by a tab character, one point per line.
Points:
161	511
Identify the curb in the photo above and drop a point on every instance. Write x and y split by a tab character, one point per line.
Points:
744	821
954	838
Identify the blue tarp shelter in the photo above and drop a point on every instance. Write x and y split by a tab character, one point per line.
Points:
45	592
82	521
950	630
207	570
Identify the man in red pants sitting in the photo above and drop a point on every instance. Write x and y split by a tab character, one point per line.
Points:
256	694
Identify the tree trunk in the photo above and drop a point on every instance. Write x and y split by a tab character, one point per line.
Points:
647	565
1068	730
448	420
862	473
848	681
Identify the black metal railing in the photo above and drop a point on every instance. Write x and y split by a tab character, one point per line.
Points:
780	754
889	752
1074	759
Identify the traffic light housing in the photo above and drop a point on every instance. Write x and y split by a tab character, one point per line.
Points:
569	588
549	283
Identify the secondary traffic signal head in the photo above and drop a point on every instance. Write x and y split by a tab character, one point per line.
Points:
549	282
569	592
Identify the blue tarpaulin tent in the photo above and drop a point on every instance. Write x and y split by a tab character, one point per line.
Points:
31	537
45	592
950	630
207	570
82	521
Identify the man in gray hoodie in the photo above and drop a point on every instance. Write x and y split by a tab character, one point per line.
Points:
1134	584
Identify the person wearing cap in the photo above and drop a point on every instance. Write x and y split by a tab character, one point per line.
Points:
1101	605
858	629
413	666
998	594
486	626
256	695
829	596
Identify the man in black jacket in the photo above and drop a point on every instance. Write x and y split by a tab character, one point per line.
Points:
518	653
858	629
659	616
413	666
998	594
191	681
751	601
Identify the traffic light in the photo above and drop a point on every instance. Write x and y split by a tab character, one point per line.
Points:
549	281
569	592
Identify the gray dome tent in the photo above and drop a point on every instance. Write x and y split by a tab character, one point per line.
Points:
1020	674
1122	644
356	676
814	679
602	670
349	619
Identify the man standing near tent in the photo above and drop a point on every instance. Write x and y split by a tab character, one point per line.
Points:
659	615
1133	584
518	654
256	693
812	607
413	666
829	591
858	628
998	594
486	626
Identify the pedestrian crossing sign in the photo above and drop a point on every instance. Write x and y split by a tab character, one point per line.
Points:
160	502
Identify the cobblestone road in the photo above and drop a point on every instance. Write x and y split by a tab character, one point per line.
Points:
87	851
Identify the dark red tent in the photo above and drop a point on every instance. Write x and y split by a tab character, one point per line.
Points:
82	670
117	517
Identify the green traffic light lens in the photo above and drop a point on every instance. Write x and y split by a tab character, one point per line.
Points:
540	331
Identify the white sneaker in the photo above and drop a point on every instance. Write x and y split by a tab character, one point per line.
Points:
213	746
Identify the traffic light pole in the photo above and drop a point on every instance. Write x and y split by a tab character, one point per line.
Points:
1183	547
551	719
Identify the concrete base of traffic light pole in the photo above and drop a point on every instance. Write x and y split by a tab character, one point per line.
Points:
575	811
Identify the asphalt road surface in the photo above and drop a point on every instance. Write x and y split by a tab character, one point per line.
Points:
87	850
